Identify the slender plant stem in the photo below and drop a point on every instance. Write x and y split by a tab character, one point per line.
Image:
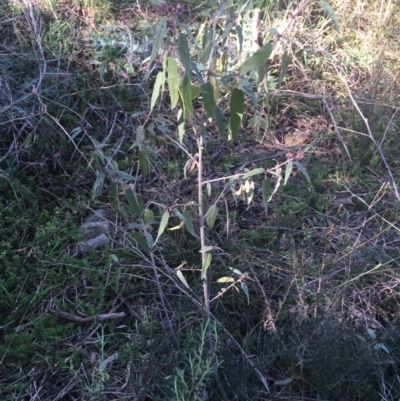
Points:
206	291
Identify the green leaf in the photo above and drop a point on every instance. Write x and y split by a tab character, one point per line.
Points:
173	81
211	216
140	240
255	171
206	265
207	248
207	46
186	95
117	276
121	175
207	91
257	60
182	278
236	112
249	91
184	53
303	171
245	290
159	36
205	38
150	241
239	32
98	184
331	14
284	66
142	156
133	203
163	225
283	382
266	193
148	216
189	224
196	90
219	117
181	125
288	171
160	81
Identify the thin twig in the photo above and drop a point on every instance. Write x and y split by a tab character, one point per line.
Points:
88	319
336	128
378	146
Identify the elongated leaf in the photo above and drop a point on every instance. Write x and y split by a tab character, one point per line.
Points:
163	225
288	171
236	112
207	92
208	189
249	91
159	37
160	81
189	224
133	203
121	175
283	382
173	81
284	65
249	189
98	184
182	278
181	125
219	117
149	239
226	280
178	214
206	265
207	45
186	95
207	248
216	85
245	290
331	14
177	227
303	171
257	60
255	171
266	193
184	53
239	32
140	240
211	216
142	156
205	37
